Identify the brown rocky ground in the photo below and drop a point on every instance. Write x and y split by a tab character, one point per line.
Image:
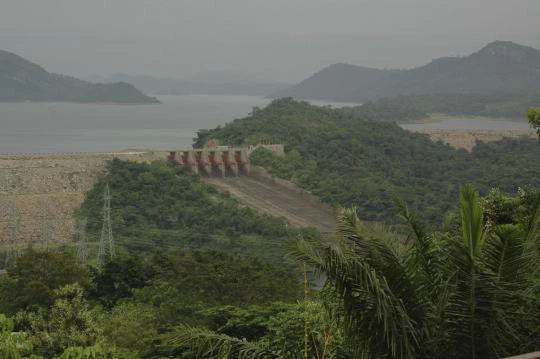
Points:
467	138
39	192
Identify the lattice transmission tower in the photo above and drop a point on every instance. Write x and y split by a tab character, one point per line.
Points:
106	242
13	231
82	246
45	223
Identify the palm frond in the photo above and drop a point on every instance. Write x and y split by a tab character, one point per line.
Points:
369	276
205	343
533	226
472	220
506	255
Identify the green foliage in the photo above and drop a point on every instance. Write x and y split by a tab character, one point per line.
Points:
351	160
161	206
534	120
68	322
31	282
96	352
13	345
207	344
130	325
118	278
144	296
190	283
437	295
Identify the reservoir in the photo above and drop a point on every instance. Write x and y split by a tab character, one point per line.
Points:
66	127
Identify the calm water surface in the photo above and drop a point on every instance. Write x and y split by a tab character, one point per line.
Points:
65	127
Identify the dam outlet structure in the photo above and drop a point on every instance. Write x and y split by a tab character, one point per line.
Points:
213	162
220	161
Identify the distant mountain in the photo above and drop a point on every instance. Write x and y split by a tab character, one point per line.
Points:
208	83
22	80
499	67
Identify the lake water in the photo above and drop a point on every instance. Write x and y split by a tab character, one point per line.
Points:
64	127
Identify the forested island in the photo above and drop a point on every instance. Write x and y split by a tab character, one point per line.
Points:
22	80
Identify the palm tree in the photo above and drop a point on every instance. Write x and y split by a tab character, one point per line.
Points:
534	120
434	295
429	295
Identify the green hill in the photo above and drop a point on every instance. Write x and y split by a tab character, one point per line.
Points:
361	160
498	68
160	206
22	80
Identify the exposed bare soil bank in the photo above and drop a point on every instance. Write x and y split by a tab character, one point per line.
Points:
467	138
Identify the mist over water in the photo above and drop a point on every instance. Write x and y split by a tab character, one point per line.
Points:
64	127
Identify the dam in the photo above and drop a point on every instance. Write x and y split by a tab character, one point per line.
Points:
40	192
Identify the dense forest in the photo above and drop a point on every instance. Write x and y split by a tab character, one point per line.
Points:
185	254
357	160
469	291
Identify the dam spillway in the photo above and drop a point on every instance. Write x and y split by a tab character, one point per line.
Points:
40	192
220	161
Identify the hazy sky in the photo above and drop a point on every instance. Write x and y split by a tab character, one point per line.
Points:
284	40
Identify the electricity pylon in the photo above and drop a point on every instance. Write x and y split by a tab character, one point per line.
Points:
44	226
82	247
13	230
106	230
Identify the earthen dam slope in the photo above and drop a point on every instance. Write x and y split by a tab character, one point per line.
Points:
278	198
40	192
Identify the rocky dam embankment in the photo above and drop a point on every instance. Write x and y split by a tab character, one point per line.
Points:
39	192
